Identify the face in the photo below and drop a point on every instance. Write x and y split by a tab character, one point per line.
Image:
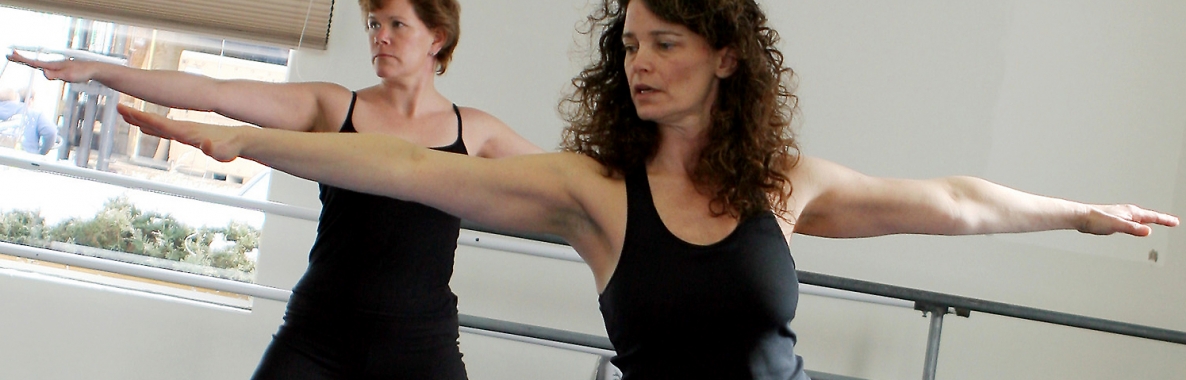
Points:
400	43
673	72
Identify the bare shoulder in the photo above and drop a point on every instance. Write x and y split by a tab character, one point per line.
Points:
491	136
584	177
476	116
815	178
332	101
807	176
321	90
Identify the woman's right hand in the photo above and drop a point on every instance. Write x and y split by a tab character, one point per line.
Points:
69	70
218	142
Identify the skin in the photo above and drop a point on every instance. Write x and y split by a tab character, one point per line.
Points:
674	75
405	103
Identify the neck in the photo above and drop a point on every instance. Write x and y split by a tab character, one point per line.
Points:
679	148
408	96
683	135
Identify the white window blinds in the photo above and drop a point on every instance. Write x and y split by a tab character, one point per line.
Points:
288	23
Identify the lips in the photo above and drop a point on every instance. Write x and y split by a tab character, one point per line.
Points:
643	89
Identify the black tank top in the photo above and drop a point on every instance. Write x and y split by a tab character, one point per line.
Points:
380	257
676	310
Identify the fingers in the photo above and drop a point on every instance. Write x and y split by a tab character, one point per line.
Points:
1164	219
211	140
53	70
1136	221
140	119
1108	224
129	114
1137	229
1143	216
18	58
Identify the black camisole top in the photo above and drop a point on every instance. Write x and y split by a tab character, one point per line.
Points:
676	310
381	257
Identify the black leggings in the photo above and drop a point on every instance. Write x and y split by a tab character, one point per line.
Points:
300	352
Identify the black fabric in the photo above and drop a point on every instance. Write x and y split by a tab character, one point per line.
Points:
676	310
375	300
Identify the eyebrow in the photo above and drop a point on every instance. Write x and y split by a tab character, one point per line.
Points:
656	33
372	16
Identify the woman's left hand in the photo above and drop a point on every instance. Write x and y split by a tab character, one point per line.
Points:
1129	219
218	142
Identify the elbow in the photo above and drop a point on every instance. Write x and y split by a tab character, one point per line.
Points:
962	211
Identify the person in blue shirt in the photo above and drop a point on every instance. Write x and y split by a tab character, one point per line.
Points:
39	133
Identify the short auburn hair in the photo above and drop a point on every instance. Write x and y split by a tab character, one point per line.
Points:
435	14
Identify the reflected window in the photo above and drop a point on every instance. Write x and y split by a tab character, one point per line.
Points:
76	124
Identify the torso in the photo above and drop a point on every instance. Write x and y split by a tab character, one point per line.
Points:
684	211
377	285
673	304
392	251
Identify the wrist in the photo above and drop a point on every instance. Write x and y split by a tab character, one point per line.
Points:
1081	217
242	140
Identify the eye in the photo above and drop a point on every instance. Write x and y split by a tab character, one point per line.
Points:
665	45
629	47
372	25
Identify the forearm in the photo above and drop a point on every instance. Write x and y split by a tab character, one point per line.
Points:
983	207
375	164
170	88
834	201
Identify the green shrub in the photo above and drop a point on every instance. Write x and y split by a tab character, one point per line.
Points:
23	227
121	226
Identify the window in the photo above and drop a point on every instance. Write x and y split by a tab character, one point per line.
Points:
102	220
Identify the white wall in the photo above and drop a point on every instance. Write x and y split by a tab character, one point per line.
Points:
1073	99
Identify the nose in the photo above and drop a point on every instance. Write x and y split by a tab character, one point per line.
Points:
639	61
381	36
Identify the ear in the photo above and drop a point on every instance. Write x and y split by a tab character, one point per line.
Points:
726	62
438	40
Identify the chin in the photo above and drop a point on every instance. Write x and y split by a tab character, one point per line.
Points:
384	71
646	113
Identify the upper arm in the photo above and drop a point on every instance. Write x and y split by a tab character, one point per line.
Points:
533	193
834	201
564	194
492	138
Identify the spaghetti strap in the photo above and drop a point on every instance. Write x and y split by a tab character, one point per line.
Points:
457	111
348	125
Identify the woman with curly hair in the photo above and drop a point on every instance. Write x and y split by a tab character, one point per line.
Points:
680	165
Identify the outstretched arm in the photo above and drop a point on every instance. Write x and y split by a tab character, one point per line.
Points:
535	193
292	106
834	201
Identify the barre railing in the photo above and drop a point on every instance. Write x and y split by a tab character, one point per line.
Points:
963	305
934	299
934	303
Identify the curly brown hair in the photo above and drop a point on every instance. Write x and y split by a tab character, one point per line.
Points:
751	145
442	14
